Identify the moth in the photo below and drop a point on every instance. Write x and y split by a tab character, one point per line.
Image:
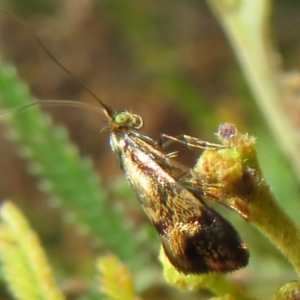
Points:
195	238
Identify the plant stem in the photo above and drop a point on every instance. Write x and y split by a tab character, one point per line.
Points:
246	24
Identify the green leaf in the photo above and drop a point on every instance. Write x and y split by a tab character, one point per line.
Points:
70	179
25	267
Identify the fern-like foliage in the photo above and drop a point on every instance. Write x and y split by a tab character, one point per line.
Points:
24	264
116	282
70	179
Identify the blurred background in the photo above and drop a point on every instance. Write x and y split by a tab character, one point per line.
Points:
168	61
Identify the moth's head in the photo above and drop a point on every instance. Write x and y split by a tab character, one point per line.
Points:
124	121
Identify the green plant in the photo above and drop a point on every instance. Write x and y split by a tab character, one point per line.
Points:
82	195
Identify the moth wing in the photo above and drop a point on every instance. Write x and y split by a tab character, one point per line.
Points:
195	238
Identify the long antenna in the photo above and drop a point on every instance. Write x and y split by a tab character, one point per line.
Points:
107	110
18	109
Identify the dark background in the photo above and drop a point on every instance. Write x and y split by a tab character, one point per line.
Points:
167	61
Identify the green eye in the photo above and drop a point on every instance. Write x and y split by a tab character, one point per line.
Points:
121	118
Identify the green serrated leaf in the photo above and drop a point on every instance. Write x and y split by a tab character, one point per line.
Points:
24	264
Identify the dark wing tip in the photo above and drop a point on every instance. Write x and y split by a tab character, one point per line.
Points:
214	247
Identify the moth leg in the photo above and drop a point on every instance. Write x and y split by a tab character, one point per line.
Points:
213	193
166	140
146	139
